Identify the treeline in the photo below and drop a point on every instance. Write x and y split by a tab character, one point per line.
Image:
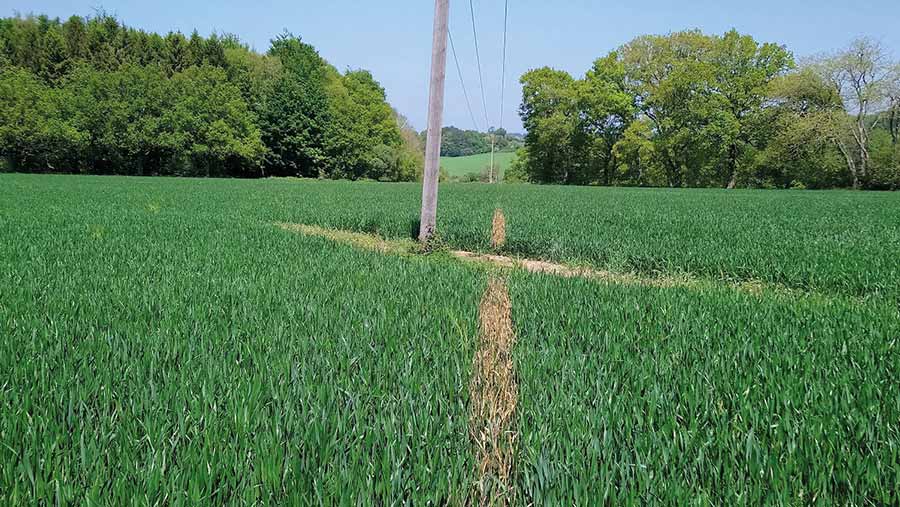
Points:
694	110
456	142
92	95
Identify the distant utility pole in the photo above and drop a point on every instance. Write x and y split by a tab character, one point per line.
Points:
435	121
491	179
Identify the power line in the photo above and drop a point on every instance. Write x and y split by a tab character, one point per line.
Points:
478	59
503	73
462	81
502	84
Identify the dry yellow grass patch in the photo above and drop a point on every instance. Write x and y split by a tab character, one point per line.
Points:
359	240
498	230
564	271
410	247
494	395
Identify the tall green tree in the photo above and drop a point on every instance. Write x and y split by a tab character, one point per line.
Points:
573	125
296	115
211	125
550	116
662	75
34	130
75	34
704	96
606	110
637	162
411	160
806	130
120	113
743	70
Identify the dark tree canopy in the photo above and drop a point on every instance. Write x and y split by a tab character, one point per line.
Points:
92	95
689	109
456	142
462	143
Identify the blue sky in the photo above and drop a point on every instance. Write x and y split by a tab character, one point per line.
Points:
392	37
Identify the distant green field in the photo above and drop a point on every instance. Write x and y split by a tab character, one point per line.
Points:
461	166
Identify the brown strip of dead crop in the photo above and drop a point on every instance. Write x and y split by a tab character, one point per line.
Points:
357	239
494	395
498	230
564	271
409	247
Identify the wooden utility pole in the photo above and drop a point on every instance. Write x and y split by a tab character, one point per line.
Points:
435	121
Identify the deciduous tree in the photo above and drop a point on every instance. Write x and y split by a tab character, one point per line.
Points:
550	115
860	75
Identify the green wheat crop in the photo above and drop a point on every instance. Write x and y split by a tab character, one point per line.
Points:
675	396
162	341
159	346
